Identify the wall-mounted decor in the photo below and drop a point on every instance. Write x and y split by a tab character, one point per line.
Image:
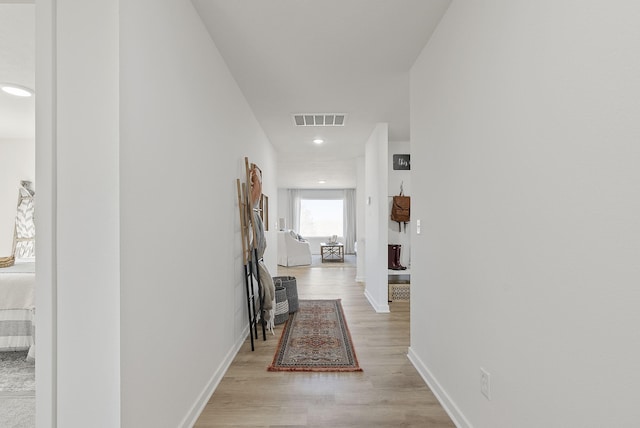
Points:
264	211
401	161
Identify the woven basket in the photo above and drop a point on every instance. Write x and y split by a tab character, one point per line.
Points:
290	284
399	292
282	306
7	261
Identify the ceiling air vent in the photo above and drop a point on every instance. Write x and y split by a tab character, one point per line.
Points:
319	119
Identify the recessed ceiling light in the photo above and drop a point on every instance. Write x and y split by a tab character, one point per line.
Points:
17	90
318	141
321	181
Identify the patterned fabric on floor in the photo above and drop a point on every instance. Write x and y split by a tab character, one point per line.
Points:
316	338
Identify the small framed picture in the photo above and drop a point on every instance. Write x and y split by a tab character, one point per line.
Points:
401	161
264	211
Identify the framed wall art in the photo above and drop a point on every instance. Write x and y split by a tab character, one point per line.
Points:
401	161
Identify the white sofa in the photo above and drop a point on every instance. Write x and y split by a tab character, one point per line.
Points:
291	251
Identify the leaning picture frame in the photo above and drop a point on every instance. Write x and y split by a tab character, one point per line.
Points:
264	211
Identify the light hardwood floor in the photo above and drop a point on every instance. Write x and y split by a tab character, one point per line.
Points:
388	393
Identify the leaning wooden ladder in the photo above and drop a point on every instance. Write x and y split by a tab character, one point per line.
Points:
249	255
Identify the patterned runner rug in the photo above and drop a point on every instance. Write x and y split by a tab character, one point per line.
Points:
316	338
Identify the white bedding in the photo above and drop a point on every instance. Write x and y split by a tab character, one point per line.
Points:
17	285
16	329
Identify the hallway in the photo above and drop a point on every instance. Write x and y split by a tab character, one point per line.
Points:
388	393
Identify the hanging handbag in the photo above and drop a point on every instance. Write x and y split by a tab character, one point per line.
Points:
401	209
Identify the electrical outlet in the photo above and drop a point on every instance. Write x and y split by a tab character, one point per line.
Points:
485	383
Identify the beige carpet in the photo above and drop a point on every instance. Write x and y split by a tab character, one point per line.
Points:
17	391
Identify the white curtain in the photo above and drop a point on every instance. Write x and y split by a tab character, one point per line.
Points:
294	210
349	222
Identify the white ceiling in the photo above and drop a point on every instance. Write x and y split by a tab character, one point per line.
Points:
17	65
323	56
288	56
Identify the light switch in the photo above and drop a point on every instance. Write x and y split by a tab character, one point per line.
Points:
418	227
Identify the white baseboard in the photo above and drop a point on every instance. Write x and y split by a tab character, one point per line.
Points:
192	416
380	308
359	278
449	405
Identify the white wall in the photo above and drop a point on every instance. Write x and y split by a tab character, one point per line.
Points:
186	128
86	253
396	179
360	219
283	207
376	211
17	163
525	140
141	302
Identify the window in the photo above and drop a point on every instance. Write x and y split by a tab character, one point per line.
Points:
321	217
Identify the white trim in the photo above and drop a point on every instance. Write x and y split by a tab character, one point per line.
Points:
359	278
381	309
445	400
392	272
46	289
194	413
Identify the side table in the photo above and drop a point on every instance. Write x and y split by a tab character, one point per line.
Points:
332	252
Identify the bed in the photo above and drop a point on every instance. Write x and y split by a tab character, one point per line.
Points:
17	310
